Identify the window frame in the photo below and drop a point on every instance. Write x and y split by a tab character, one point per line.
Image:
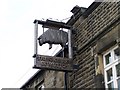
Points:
112	65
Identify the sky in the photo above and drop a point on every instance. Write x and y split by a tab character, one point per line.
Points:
17	35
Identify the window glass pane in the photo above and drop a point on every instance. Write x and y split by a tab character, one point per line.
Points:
118	84
110	86
108	59
118	70
109	75
117	53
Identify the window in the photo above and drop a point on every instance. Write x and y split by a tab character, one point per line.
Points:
41	87
109	75
118	69
117	54
112	68
108	59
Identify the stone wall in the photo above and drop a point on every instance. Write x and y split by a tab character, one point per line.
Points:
54	79
96	22
48	79
101	21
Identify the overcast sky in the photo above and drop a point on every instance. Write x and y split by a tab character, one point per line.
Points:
16	35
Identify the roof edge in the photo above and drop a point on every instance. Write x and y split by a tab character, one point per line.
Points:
85	14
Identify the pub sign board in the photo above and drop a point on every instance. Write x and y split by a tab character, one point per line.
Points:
53	63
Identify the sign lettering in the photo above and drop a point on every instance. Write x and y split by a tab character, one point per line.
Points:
53	63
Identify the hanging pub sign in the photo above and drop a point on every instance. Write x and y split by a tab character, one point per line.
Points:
53	63
52	36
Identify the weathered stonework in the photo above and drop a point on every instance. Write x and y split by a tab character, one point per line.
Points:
93	30
54	79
